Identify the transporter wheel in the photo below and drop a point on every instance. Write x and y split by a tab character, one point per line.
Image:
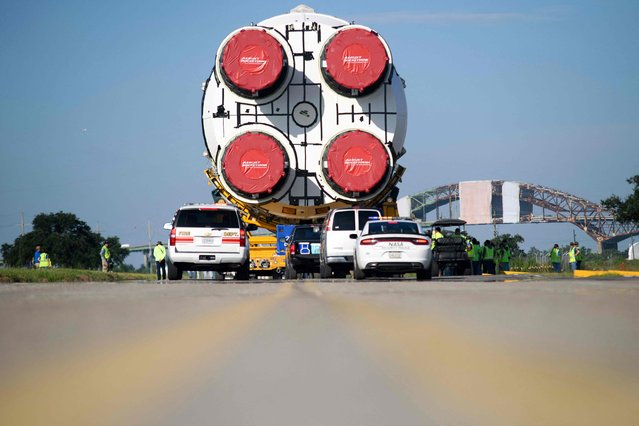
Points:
173	272
325	270
340	273
243	274
425	274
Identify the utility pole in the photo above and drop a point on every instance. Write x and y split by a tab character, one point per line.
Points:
148	229
21	234
574	236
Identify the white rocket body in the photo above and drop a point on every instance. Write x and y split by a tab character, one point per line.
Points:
304	112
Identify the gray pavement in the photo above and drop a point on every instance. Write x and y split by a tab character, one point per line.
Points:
451	351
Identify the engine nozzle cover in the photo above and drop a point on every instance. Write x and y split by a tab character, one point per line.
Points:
253	63
355	60
255	164
355	162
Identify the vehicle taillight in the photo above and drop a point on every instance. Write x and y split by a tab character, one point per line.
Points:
172	237
328	224
292	248
242	238
420	241
368	242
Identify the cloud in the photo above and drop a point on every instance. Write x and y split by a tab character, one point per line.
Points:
403	17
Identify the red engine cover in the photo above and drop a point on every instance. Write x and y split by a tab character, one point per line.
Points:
254	163
356	58
253	60
357	161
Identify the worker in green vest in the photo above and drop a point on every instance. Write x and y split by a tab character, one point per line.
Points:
159	253
475	255
45	260
555	258
579	256
503	256
105	255
572	256
488	258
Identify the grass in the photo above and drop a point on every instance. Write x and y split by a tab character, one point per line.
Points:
21	275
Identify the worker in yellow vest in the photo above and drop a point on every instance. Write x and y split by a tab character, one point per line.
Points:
572	256
437	234
45	260
475	254
105	255
159	253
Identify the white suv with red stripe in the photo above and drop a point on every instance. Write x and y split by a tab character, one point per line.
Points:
207	237
389	247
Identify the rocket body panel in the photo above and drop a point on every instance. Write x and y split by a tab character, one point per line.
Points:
317	123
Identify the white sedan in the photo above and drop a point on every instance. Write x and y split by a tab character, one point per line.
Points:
388	247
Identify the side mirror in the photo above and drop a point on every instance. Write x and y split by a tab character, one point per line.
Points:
353	236
251	227
168	226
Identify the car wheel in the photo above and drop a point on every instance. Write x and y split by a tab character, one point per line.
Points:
325	271
172	271
290	273
242	274
358	274
424	274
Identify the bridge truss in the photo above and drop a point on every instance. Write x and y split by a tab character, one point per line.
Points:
556	207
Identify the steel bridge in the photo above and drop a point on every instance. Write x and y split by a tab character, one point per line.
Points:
556	207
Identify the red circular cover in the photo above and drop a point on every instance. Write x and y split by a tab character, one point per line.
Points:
357	161
356	58
254	163
253	60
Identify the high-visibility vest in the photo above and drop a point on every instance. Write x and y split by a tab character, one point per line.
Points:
477	252
489	253
504	255
436	236
554	256
159	252
45	262
106	252
572	255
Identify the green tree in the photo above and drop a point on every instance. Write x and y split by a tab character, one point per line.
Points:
512	241
626	210
68	240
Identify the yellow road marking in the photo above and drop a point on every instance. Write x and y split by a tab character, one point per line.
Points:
128	380
486	385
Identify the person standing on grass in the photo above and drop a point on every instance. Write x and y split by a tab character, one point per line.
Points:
105	255
572	256
45	260
36	258
555	258
159	252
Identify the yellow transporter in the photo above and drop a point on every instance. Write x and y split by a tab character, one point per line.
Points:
265	262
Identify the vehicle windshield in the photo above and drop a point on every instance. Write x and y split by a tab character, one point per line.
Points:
307	234
190	218
392	228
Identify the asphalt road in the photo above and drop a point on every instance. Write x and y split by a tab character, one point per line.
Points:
311	352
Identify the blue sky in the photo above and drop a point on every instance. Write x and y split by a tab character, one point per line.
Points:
100	101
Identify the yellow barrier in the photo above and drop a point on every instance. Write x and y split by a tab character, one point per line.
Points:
585	274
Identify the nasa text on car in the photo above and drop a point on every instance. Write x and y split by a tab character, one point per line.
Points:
388	247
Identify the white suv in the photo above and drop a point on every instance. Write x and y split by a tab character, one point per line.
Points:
341	229
207	237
